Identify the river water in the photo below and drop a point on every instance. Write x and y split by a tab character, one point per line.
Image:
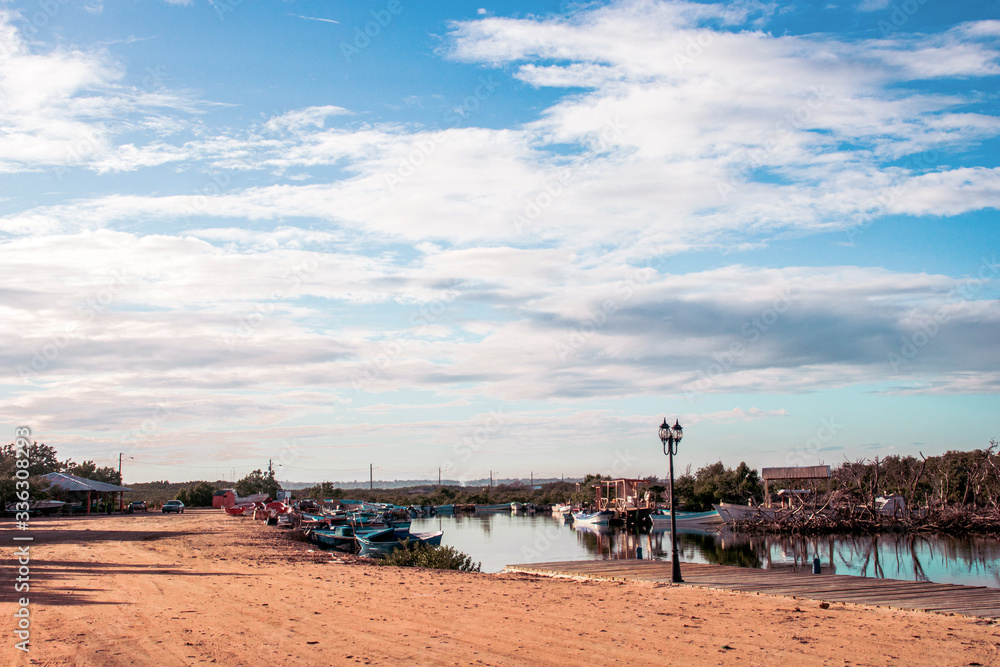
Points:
497	540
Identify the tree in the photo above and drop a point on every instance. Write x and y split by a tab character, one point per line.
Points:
258	482
89	470
199	495
42	459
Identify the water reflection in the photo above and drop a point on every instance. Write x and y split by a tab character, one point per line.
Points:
500	539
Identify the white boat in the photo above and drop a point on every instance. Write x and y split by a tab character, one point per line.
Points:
601	517
662	517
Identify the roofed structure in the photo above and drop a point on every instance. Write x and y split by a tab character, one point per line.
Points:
794	472
75	487
74	483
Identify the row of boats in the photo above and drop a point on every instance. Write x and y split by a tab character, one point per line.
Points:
370	529
657	517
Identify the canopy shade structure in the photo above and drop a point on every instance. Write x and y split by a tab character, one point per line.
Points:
72	485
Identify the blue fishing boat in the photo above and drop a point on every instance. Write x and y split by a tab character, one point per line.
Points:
599	518
341	538
383	542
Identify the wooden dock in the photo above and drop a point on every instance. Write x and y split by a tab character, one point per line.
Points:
977	601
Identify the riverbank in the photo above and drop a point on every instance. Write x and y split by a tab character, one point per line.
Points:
204	587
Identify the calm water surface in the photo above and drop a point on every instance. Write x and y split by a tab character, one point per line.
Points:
498	540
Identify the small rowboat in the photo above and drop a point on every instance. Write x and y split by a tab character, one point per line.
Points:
240	510
384	542
662	517
599	518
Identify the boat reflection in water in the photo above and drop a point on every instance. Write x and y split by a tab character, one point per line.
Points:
897	556
500	540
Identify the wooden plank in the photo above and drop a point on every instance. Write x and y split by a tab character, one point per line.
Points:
944	598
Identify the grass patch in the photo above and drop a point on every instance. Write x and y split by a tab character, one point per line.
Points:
438	558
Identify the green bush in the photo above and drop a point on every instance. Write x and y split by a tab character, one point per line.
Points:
439	558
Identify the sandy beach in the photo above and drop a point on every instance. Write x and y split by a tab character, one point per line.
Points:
203	587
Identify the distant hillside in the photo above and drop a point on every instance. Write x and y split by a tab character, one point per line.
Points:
161	492
407	483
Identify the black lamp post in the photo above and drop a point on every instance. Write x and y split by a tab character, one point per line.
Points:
671	437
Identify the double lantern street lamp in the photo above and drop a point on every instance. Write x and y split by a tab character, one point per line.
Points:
671	437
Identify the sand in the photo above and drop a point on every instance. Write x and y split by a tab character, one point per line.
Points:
203	587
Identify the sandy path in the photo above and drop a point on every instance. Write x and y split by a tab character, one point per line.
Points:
203	587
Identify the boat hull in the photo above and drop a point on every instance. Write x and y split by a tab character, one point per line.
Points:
602	518
687	518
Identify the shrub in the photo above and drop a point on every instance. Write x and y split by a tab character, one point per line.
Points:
439	558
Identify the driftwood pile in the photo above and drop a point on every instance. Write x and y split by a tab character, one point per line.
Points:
958	522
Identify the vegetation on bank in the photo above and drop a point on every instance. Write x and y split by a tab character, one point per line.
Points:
436	557
956	492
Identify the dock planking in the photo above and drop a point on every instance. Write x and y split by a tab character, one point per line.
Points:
977	601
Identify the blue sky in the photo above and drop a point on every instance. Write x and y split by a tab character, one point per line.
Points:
507	237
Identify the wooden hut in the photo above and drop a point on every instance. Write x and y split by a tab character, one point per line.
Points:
224	498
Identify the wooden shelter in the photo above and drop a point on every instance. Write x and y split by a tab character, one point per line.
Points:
629	499
224	498
73	489
793	473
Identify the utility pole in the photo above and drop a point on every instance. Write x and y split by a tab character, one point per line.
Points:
532	487
371	476
491	479
119	467
439	476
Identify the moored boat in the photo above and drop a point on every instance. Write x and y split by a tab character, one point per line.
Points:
384	542
687	518
493	508
600	517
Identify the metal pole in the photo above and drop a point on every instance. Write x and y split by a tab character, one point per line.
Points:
371	476
675	567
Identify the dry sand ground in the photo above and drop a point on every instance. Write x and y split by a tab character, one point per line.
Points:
204	587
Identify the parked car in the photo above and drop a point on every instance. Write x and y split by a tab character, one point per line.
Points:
137	506
173	506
